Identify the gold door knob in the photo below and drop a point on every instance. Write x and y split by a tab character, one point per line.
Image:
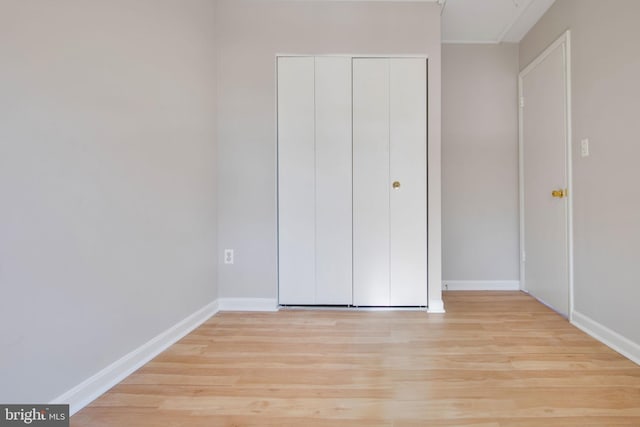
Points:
558	193
396	184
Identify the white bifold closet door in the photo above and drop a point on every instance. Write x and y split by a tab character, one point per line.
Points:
389	182
314	181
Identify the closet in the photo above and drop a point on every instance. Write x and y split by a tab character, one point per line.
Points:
352	188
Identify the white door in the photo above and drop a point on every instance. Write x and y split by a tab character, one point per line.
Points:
408	163
296	181
371	182
314	181
545	179
389	182
333	181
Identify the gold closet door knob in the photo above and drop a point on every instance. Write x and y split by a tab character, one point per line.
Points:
558	193
396	184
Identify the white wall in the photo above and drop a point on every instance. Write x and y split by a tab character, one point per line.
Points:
606	190
107	182
250	34
480	162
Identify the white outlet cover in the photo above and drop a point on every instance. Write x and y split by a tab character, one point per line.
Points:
228	256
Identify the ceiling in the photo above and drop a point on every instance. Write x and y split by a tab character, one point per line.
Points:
489	21
485	21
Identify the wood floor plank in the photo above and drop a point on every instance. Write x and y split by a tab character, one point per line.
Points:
495	359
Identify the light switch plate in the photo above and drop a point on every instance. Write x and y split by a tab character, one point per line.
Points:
584	147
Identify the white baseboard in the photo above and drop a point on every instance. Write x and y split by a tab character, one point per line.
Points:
91	388
436	306
248	304
617	342
480	285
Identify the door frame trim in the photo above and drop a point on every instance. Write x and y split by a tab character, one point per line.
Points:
563	41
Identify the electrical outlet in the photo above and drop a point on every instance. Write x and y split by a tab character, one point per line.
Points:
228	256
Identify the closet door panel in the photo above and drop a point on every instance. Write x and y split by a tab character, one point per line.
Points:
370	182
333	180
408	166
296	180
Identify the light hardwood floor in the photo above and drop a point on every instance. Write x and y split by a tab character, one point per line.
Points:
494	359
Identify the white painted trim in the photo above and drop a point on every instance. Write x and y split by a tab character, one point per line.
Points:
248	304
514	20
481	285
346	308
352	56
612	339
565	41
535	10
569	129
436	306
91	388
393	1
521	254
470	42
538	60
